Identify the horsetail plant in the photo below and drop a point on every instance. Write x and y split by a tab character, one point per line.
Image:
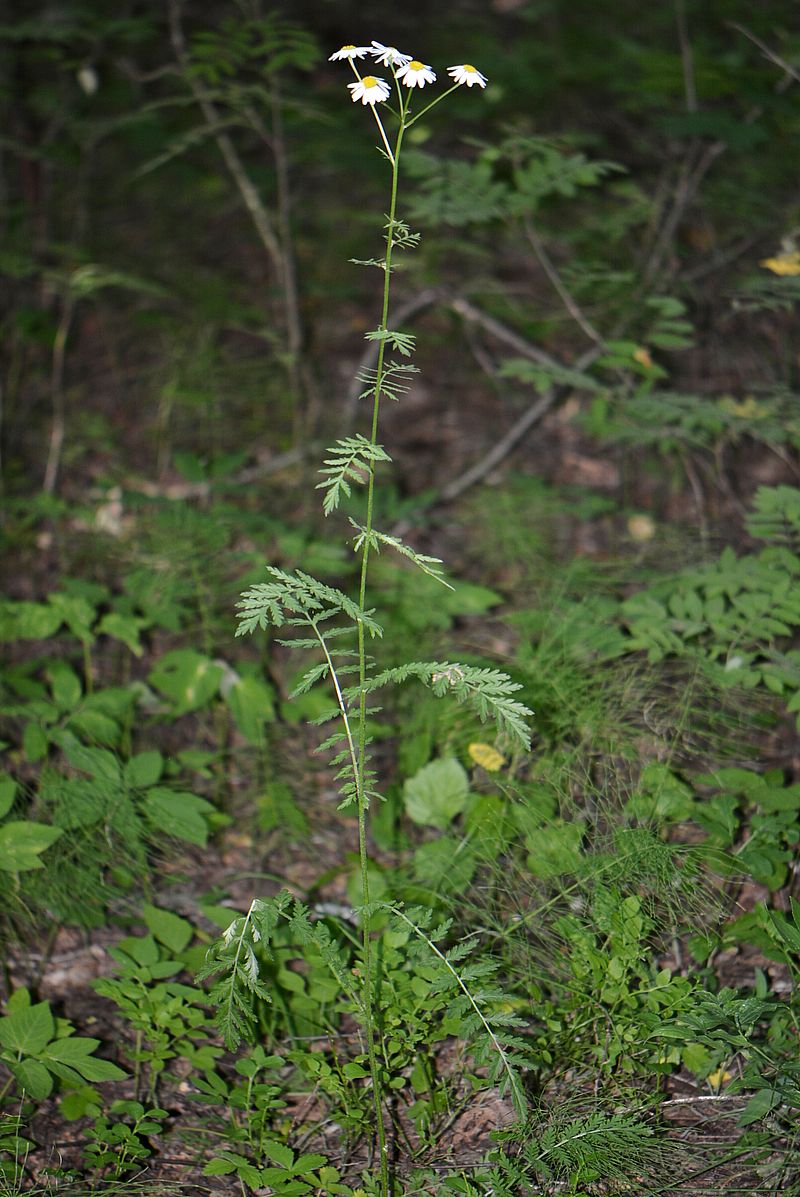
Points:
338	628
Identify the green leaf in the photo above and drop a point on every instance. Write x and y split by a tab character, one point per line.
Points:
187	678
76	1053
143	770
544	375
126	628
436	793
65	685
168	928
29	1030
308	1163
554	849
92	1069
350	460
71	1050
95	726
8	792
279	1153
76	612
34	742
251	703
428	565
178	814
661	797
445	864
28	621
220	1167
22	843
96	761
34	1078
81	1103
354	1072
759	1106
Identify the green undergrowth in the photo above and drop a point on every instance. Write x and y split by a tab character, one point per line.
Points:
540	920
411	882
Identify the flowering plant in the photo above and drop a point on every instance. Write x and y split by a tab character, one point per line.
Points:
326	615
411	72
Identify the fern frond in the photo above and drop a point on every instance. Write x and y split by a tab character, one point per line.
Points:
399	341
310	678
392	380
428	565
317	934
487	691
325	717
490	1045
233	958
300	595
593	1146
351	460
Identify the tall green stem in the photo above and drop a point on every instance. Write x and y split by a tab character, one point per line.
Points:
362	711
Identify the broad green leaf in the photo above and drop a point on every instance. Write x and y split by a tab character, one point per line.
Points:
445	864
93	1069
76	612
81	1103
168	928
187	678
126	628
251	703
20	999
65	685
28	621
220	1167
98	762
279	1153
354	1072
144	769
28	1031
697	1059
141	948
96	727
436	793
8	792
554	849
308	1163
34	1078
759	1105
661	797
22	842
77	1054
34	742
178	814
71	1050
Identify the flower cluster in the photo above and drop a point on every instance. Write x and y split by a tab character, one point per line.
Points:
407	70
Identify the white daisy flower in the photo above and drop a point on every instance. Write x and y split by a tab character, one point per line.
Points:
87	79
466	73
369	90
349	52
389	55
416	74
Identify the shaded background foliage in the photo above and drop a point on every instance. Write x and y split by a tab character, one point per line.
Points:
595	228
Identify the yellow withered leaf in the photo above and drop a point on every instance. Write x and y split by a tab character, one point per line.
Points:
783	263
487	757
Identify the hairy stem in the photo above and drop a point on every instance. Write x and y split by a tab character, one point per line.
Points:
362	677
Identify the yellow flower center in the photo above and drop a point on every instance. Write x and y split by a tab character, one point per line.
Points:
369	81
416	66
469	68
348	47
